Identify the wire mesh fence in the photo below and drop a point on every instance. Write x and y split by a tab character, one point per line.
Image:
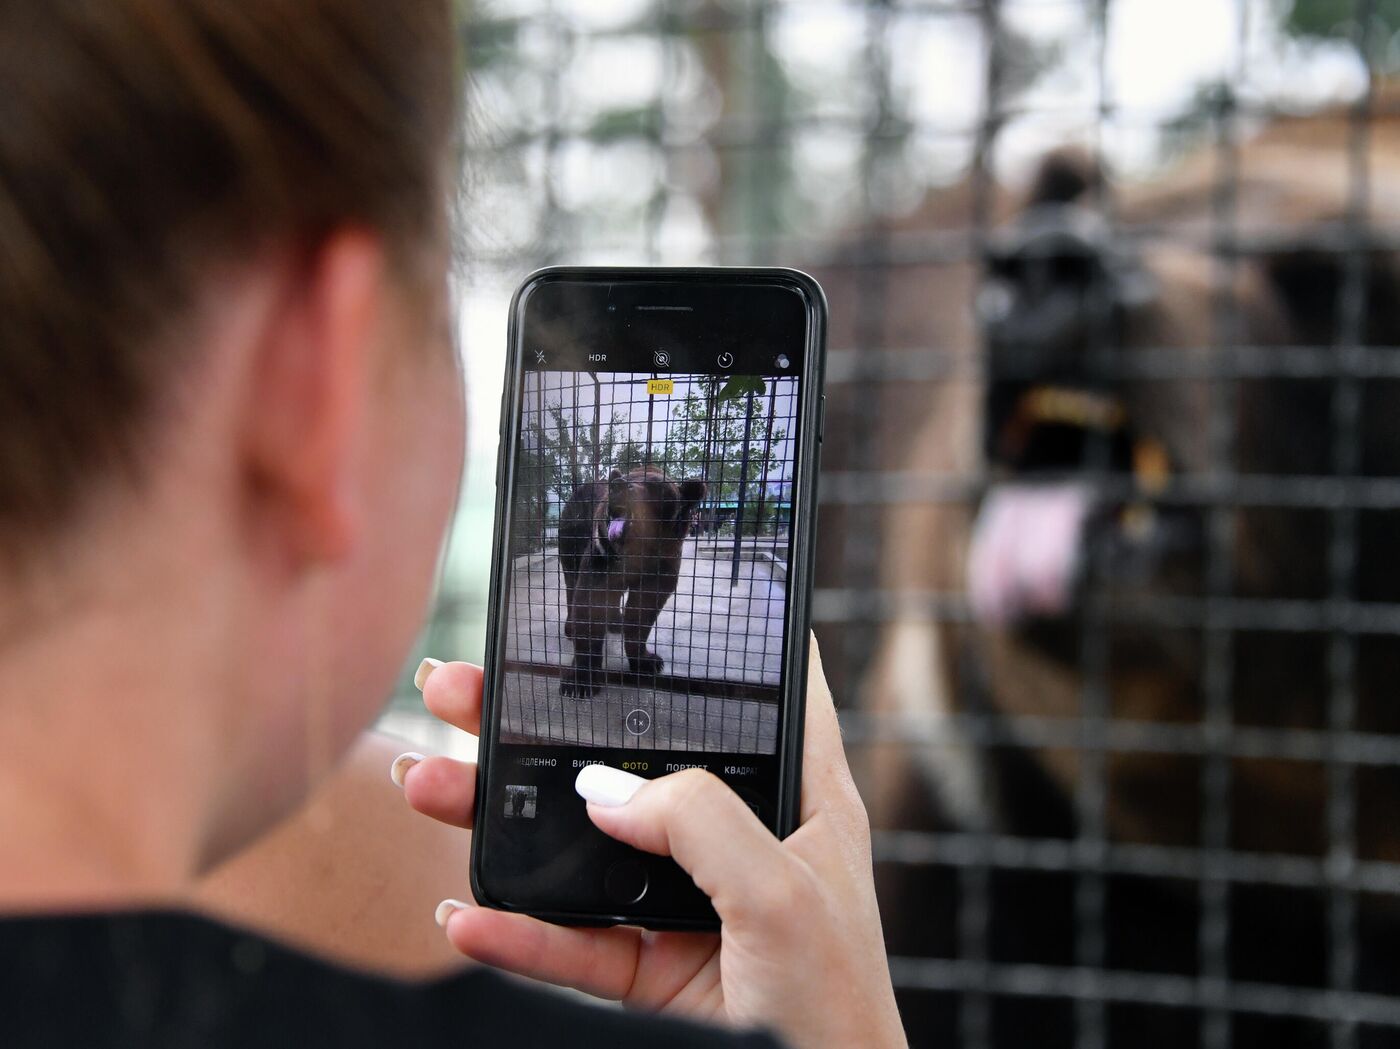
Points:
1107	581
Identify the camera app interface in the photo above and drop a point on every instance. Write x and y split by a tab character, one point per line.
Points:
649	547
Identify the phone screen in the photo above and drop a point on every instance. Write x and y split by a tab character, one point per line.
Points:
650	480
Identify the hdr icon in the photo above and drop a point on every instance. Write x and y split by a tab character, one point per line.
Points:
598	358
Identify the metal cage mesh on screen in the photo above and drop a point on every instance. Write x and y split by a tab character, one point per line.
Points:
649	559
1108	585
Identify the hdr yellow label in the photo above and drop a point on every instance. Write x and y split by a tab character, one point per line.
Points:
663	386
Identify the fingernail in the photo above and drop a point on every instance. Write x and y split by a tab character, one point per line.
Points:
420	676
398	769
446	909
608	786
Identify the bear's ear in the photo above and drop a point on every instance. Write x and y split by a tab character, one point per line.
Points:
691	493
615	476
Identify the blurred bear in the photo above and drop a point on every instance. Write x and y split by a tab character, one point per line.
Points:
1157	419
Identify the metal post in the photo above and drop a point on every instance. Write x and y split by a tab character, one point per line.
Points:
651	402
743	484
597	434
767	453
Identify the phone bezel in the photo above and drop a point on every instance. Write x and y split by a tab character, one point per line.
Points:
793	707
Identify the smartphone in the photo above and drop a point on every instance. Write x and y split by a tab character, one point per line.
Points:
651	571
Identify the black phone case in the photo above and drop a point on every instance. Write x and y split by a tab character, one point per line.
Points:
793	710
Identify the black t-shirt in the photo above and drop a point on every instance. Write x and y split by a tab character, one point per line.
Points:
158	980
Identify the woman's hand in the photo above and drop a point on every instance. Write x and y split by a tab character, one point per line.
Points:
800	949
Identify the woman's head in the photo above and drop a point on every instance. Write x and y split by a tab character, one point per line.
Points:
224	349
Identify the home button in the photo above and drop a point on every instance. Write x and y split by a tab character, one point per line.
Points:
626	881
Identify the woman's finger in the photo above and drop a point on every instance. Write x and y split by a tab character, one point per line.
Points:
826	775
695	818
600	962
452	692
442	788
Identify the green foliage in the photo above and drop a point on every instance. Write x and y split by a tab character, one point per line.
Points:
1194	121
488	42
630	456
1307	20
707	435
1336	19
740	385
612	125
704	439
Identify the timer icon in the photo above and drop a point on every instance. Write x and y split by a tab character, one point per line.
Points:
726	360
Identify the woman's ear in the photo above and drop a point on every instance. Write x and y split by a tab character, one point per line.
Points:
308	397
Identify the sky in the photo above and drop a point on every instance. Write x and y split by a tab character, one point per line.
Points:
625	406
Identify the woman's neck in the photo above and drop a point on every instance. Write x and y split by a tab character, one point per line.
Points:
105	752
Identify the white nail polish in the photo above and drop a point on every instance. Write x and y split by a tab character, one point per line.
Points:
446	909
420	676
398	769
608	786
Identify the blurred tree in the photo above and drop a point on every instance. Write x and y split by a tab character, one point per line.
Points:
1337	20
1313	21
751	198
631	456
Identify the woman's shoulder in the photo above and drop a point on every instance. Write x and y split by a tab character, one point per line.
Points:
166	978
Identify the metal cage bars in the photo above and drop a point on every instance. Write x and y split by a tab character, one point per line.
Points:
850	596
